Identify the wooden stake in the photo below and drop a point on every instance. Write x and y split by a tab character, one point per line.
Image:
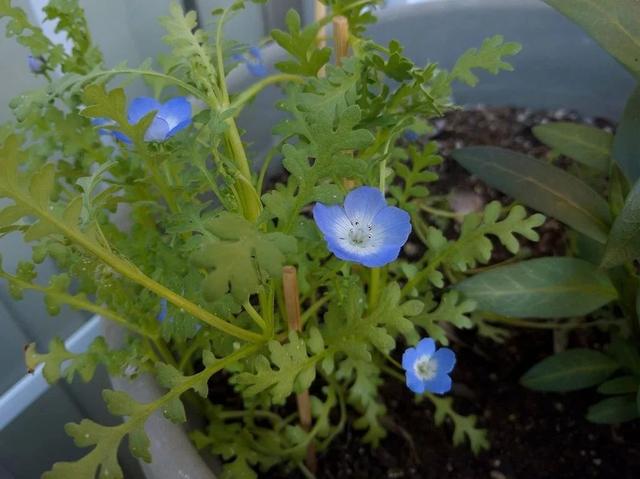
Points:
319	12
341	38
292	305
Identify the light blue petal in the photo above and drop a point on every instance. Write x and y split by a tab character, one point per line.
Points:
445	359
409	358
363	204
331	220
140	107
426	347
162	314
382	256
258	70
392	226
122	137
414	382
176	112
157	131
439	384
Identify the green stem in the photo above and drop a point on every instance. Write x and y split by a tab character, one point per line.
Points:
82	304
255	316
439	212
374	288
131	271
248	94
522	323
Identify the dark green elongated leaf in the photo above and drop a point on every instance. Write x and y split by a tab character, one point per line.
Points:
541	186
626	143
569	371
540	288
624	240
613	410
614	24
621	385
585	144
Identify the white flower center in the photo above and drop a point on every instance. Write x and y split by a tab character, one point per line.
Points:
360	235
425	367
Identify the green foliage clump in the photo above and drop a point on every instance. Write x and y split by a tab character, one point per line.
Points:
181	243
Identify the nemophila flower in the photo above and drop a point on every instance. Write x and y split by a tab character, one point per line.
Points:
365	230
253	61
36	64
427	369
411	135
171	117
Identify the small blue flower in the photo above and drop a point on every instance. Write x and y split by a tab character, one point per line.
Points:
162	314
366	230
36	64
411	135
253	61
427	369
171	117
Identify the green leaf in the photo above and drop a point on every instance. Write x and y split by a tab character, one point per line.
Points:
120	403
302	45
614	24
540	288
139	444
241	258
463	426
586	144
451	309
626	142
621	385
488	57
569	371
294	370
613	410
624	240
174	411
541	186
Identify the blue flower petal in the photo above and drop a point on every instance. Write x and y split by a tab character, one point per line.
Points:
257	69
162	314
157	131
331	220
408	358
445	359
122	137
363	204
414	382
177	113
140	107
393	224
426	347
439	384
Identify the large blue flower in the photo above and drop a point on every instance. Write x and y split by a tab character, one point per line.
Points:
253	61
171	117
427	369
365	230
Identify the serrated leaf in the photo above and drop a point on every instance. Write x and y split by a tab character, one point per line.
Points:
120	403
139	444
488	57
541	186
588	145
174	411
241	257
540	288
569	370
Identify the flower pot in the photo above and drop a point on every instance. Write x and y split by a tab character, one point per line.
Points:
559	67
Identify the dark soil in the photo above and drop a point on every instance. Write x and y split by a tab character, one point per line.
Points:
532	435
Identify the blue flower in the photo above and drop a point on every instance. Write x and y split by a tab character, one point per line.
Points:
36	64
162	314
171	117
253	61
366	230
427	369
411	135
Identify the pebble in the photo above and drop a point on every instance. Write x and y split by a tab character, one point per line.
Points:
597	461
497	475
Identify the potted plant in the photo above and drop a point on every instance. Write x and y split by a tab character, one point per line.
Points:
278	310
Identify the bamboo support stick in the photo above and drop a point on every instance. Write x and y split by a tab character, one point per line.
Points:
341	38
292	306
